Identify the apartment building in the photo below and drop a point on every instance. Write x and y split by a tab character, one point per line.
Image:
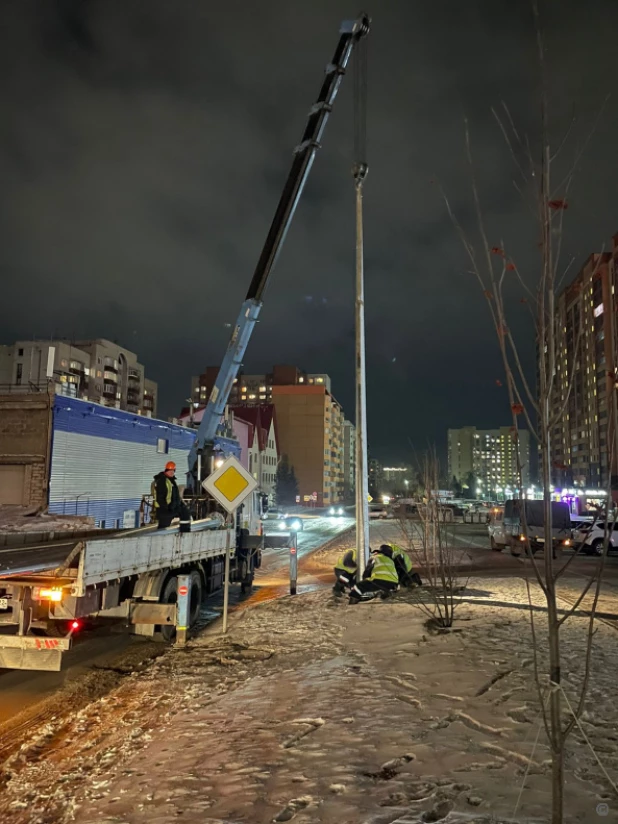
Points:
349	460
490	455
95	370
253	390
311	434
586	376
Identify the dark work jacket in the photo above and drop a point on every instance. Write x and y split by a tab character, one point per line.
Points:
164	500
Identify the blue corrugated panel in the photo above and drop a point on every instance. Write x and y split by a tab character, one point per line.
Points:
84	418
104	460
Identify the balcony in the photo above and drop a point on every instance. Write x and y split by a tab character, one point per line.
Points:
134	375
110	363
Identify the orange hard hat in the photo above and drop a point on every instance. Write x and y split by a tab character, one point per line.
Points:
170	465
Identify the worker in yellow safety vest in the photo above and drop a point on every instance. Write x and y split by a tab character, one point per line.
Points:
403	565
167	503
380	577
345	572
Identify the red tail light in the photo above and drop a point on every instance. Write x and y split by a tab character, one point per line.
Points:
75	625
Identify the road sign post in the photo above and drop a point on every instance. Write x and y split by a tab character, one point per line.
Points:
226	583
229	486
183	607
293	562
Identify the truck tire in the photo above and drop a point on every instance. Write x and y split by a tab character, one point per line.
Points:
169	596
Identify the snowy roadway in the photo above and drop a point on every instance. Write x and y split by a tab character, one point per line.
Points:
101	648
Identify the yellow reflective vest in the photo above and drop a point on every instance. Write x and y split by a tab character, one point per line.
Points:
383	569
348	561
168	492
398	552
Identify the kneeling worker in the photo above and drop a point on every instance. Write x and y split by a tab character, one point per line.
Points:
403	565
380	577
345	572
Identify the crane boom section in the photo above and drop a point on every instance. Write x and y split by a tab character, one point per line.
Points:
304	154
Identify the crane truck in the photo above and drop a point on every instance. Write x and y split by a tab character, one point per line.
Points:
133	575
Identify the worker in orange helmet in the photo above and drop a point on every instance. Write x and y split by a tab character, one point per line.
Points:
167	503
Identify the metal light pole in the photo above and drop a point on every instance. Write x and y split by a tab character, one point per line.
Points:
362	482
359	173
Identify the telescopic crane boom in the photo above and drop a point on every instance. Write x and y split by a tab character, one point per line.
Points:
350	33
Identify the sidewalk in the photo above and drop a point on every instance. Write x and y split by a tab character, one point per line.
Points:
315	711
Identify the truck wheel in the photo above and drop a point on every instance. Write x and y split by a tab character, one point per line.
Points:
494	545
247	584
196	591
169	596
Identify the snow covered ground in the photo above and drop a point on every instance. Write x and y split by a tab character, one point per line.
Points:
315	711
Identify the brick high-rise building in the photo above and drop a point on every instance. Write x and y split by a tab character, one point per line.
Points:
253	390
310	423
310	429
586	345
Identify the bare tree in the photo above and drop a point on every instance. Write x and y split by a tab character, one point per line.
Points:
429	541
495	270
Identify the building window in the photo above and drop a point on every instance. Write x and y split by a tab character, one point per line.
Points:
18	373
163	446
20	353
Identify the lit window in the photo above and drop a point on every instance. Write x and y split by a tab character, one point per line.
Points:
319	380
262	389
251	397
301	380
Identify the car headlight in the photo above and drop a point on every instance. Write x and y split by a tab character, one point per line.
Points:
296	525
331	511
340	511
281	524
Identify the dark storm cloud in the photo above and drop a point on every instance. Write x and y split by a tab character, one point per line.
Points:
144	146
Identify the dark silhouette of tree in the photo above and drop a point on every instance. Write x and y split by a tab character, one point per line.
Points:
286	483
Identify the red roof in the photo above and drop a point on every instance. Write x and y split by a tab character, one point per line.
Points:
260	417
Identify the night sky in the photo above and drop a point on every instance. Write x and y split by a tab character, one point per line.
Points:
144	145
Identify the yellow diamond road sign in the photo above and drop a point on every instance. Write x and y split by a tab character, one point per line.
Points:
230	484
369	499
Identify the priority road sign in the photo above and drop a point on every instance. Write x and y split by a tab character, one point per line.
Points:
369	499
230	484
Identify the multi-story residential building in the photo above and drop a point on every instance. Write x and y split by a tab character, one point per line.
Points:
96	370
310	430
263	456
253	390
376	476
310	423
586	376
349	459
396	479
490	455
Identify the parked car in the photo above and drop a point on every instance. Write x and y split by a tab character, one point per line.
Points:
380	511
495	528
592	536
534	512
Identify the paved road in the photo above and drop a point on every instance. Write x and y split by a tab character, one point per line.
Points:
20	690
